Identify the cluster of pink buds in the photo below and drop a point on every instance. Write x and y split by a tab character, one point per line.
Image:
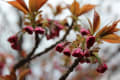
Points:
54	32
14	42
84	55
90	40
37	30
83	52
60	48
78	53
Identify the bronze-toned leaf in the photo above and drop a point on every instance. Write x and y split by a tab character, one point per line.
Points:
22	3
91	26
18	6
102	32
86	8
113	26
34	5
74	8
96	22
107	30
111	38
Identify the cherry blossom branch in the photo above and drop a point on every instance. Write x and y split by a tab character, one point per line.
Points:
28	59
71	68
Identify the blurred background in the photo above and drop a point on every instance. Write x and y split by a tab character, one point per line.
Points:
51	66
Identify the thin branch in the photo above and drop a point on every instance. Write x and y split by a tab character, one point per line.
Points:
37	42
71	68
28	59
52	46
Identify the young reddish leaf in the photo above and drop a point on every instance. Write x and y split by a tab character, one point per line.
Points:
90	23
101	32
86	8
113	26
96	22
74	8
24	73
107	30
111	38
22	3
34	5
18	6
115	30
91	26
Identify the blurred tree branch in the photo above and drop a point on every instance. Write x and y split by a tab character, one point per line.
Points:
71	68
28	59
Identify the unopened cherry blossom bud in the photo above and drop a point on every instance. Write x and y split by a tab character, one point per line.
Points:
102	68
39	30
90	41
77	53
28	29
15	46
67	52
60	47
13	39
84	31
59	26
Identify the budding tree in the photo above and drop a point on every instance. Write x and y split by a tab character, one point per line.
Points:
83	49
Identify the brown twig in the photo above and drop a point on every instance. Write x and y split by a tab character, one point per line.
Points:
28	59
37	42
71	68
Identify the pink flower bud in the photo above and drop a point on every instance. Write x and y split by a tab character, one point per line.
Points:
13	39
102	68
53	33
77	53
90	41
39	30
59	26
29	29
84	31
60	47
67	52
15	46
